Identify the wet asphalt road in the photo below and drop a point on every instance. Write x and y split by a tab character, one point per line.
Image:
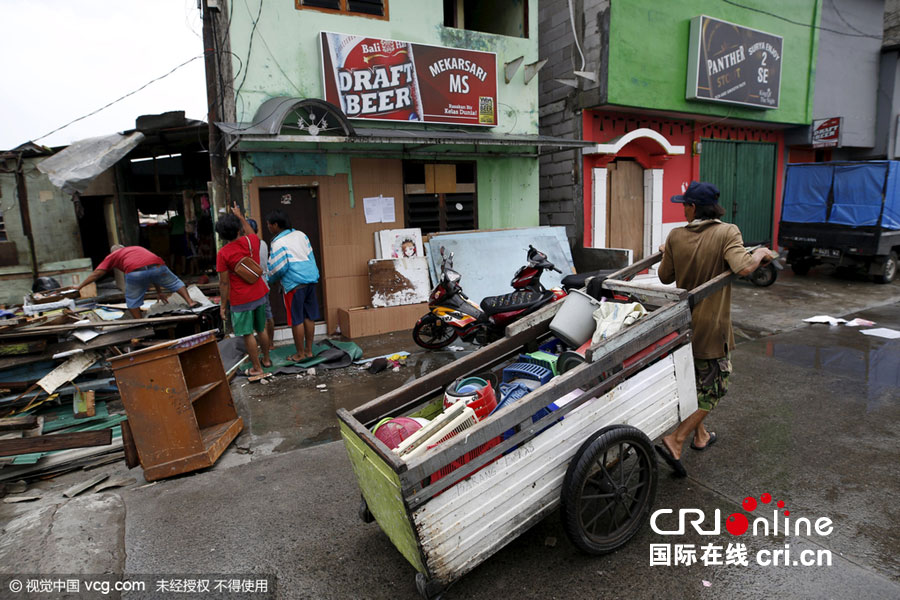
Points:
810	418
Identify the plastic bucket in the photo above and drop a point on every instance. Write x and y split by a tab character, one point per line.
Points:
574	322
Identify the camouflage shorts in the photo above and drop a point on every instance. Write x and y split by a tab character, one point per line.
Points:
712	380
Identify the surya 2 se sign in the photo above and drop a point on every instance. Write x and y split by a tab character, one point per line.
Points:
389	80
733	64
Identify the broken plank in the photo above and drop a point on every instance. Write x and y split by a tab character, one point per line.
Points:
18	423
16	499
23	347
59	441
103	341
80	487
68	371
45	329
112	483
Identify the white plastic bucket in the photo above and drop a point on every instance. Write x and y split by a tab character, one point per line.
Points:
574	322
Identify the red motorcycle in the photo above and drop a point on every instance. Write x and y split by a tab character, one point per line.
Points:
451	314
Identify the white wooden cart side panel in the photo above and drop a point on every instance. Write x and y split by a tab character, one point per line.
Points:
687	383
470	521
543	480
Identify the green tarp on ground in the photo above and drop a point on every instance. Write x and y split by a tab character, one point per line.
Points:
329	354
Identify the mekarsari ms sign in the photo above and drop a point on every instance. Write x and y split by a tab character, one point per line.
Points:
389	80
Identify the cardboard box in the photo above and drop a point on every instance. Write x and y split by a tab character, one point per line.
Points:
361	322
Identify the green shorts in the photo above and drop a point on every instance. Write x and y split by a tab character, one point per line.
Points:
248	321
712	380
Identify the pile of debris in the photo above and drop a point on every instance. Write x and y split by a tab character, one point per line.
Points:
59	405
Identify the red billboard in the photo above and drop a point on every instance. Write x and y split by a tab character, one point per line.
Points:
826	133
388	80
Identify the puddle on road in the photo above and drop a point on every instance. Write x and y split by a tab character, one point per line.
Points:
876	362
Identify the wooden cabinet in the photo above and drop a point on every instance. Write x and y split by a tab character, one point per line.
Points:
180	411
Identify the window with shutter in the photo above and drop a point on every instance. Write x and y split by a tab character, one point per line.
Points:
370	8
440	196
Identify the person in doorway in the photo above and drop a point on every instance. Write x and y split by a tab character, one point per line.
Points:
142	269
291	261
264	263
692	255
247	300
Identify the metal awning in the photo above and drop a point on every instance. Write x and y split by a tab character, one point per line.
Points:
323	128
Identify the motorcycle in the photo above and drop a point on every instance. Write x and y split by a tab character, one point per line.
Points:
765	275
452	314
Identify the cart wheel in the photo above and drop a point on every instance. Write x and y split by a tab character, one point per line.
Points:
428	588
608	489
364	515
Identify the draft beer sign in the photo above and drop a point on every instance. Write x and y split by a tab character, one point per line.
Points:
390	80
733	64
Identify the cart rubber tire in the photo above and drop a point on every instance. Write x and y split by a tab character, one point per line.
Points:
764	276
364	515
428	588
423	333
596	469
888	269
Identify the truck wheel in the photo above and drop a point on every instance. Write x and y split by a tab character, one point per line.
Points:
888	270
801	267
609	489
432	334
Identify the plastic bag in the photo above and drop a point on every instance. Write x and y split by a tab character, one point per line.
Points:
613	316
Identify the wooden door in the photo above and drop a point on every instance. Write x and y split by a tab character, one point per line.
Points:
301	206
625	207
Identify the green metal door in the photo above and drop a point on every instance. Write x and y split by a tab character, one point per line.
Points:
745	175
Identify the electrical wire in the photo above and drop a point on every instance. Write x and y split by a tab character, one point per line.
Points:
846	22
250	44
791	21
117	100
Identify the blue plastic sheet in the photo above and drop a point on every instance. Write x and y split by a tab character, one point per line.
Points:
858	193
806	192
890	218
862	194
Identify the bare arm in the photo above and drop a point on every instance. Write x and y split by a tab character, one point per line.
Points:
237	212
94	276
224	290
760	256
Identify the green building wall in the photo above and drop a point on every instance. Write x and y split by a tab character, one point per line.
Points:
285	60
645	34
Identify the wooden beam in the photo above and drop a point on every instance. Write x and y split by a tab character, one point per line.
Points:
59	441
45	329
18	423
710	287
478	361
22	347
662	294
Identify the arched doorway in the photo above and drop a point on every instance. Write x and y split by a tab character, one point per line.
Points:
627	195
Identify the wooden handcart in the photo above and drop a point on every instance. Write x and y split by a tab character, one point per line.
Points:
592	457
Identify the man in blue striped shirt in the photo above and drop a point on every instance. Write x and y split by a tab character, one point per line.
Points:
291	261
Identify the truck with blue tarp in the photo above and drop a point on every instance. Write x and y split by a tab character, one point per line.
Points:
842	213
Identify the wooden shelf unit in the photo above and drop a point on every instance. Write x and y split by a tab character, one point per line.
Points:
179	405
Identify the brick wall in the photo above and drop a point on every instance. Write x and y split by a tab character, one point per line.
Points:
561	105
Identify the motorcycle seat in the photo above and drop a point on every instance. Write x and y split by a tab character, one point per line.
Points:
518	300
